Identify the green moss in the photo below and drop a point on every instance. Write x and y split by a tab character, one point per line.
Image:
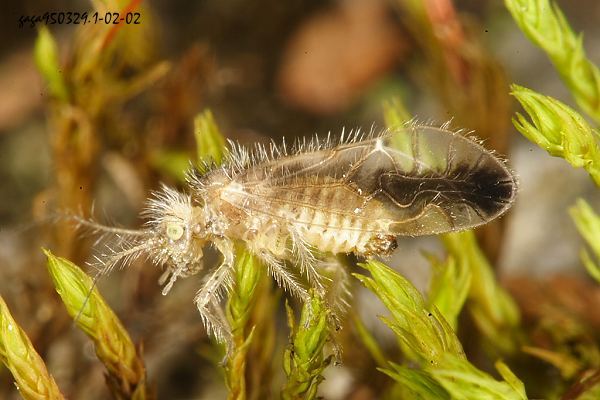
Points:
114	347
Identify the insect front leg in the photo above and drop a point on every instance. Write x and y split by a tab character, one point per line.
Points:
184	270
207	298
216	322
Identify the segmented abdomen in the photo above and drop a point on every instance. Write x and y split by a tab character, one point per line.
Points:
331	217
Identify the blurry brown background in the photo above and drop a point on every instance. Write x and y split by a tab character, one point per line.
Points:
267	69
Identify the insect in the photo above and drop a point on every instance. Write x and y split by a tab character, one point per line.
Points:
355	195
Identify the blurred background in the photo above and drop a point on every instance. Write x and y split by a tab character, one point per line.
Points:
267	69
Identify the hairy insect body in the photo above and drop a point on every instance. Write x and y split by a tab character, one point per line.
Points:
327	213
352	196
319	214
312	214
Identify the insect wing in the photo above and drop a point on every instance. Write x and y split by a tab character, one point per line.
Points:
416	181
453	184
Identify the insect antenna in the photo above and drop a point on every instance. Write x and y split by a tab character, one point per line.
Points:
105	263
132	243
89	227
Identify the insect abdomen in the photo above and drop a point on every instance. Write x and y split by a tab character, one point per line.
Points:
340	236
338	219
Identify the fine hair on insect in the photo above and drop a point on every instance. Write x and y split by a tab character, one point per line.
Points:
294	208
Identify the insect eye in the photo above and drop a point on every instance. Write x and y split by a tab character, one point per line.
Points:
174	231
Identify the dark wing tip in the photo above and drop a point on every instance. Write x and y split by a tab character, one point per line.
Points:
486	190
491	189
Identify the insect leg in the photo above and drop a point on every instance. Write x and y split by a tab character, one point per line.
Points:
336	297
307	261
220	326
183	270
283	276
207	298
338	291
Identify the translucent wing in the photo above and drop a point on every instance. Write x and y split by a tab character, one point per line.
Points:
417	181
